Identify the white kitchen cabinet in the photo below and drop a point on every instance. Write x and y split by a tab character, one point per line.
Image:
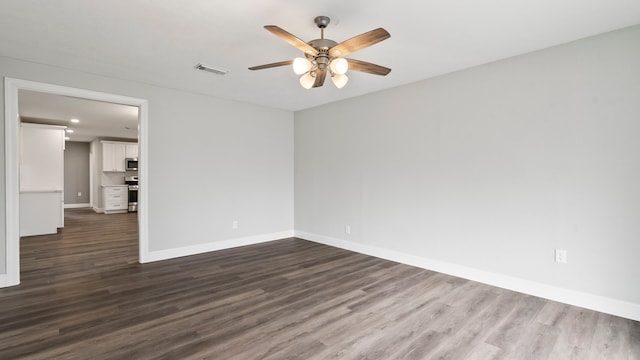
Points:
116	198
41	179
131	150
113	156
41	212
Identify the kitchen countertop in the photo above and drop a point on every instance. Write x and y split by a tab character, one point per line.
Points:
40	190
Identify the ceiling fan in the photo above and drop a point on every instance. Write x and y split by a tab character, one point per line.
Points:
324	56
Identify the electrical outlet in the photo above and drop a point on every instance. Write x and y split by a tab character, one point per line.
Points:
561	256
235	224
347	229
79	194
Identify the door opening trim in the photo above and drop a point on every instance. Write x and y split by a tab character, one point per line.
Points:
12	128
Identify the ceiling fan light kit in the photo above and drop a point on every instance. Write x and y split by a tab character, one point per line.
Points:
339	66
301	65
324	56
339	80
307	80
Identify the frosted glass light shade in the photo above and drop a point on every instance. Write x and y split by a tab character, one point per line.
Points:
339	80
301	65
339	66
307	80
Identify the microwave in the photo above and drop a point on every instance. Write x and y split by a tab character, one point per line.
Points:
131	164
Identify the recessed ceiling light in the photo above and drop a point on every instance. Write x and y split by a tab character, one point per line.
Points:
67	138
70	131
75	120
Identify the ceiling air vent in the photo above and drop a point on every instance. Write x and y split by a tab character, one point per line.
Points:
211	69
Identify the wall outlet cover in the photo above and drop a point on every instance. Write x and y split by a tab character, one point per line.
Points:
561	256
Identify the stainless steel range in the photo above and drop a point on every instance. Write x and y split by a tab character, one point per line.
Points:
132	181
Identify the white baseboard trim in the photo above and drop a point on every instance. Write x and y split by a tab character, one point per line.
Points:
98	210
6	282
213	246
76	206
585	300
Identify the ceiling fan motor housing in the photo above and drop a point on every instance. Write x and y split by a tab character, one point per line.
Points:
322	44
322	59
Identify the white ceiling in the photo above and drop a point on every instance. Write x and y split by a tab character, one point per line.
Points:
97	118
159	42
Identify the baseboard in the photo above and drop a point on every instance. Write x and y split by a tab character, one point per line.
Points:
98	210
76	206
585	300
213	246
6	282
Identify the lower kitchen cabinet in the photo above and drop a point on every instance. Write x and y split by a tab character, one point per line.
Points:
116	199
41	212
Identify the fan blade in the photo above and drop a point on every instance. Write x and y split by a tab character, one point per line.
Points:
369	68
266	66
359	42
320	76
291	39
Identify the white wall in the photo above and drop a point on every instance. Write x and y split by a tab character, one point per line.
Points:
210	161
490	169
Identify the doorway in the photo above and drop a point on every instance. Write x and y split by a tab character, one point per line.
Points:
12	127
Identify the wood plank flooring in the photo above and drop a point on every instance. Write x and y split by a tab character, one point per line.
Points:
83	296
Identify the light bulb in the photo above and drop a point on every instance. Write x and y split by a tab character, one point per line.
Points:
301	65
339	80
307	80
339	66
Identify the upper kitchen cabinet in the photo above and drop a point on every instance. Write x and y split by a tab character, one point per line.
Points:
113	154
41	157
131	151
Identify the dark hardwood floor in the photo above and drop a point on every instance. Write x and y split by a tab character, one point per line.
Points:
83	296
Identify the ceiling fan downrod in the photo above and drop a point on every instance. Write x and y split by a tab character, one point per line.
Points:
322	22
